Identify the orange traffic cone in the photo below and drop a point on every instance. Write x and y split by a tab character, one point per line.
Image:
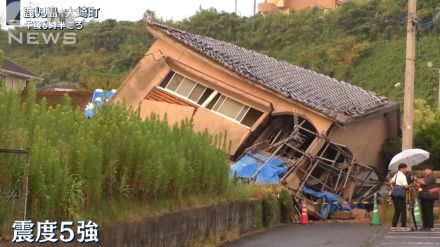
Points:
304	215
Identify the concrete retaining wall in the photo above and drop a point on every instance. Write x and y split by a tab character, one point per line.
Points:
225	221
177	229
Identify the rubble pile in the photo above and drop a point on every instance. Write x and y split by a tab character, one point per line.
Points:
309	163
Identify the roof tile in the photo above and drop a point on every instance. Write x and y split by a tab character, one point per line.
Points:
321	92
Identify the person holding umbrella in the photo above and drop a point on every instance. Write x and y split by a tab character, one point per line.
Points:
428	193
398	195
407	158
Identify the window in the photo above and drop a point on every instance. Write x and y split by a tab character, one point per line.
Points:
251	117
185	87
233	109
208	92
210	99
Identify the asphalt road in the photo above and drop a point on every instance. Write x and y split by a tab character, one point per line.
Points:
338	234
416	238
314	235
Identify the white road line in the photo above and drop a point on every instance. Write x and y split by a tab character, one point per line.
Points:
410	237
411	243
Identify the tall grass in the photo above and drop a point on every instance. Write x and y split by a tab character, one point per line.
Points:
79	165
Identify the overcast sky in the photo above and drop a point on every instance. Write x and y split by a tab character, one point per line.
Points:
133	10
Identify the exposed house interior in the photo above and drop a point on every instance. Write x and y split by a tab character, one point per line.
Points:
327	134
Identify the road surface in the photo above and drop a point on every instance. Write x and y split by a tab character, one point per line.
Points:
337	234
416	238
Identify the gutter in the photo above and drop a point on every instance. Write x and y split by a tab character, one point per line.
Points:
21	74
391	106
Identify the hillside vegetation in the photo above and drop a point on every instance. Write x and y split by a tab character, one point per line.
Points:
362	42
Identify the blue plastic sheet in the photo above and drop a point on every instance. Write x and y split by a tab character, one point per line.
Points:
99	98
334	201
270	173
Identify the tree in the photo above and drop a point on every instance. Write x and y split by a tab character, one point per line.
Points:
427	130
149	15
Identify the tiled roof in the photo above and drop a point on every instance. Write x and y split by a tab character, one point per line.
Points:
8	65
336	99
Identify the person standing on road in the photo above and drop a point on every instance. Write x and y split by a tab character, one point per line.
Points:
411	197
398	194
428	194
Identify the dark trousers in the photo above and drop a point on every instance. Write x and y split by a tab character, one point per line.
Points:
427	213
399	211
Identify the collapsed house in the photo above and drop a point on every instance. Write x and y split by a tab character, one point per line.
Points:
328	133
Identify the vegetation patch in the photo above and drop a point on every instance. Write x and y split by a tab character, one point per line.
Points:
88	167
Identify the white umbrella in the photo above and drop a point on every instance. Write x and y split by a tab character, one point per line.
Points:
411	157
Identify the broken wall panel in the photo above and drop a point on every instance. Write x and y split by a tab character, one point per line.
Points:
370	134
329	167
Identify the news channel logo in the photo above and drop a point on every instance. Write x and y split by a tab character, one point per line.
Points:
13	12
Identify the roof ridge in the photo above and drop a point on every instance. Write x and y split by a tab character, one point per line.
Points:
319	91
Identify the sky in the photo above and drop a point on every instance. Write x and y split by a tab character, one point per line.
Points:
132	10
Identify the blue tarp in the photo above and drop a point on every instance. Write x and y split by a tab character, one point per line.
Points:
334	201
99	98
270	173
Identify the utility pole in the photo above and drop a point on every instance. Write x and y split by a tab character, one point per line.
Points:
235	6
255	7
408	104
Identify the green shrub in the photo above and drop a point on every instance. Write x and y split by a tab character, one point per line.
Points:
78	165
286	206
269	210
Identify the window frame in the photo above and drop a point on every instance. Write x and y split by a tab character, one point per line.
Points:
208	99
180	83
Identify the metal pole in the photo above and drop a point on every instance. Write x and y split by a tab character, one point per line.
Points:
408	107
255	7
235	6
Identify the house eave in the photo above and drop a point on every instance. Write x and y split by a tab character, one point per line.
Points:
4	71
337	117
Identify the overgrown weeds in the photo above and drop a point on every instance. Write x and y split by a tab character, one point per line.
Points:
80	166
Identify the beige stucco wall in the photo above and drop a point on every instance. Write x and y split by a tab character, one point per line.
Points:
285	6
303	4
165	55
365	138
215	124
267	8
149	71
175	113
216	77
